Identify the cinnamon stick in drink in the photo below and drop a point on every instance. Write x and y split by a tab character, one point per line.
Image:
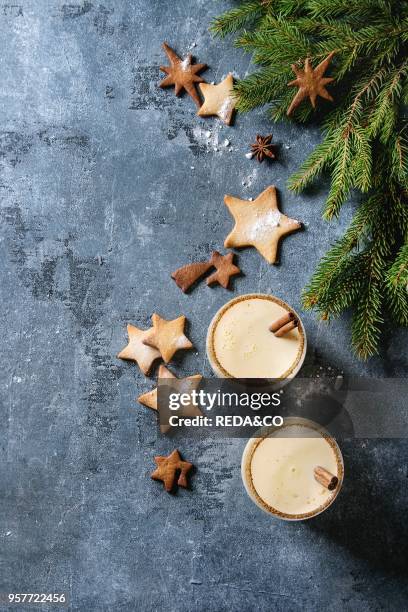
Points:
284	320
286	328
326	478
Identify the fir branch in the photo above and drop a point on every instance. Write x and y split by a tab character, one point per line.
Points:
365	9
397	287
341	179
237	18
314	164
399	156
362	162
367	318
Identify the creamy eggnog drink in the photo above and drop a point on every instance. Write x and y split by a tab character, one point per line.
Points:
240	343
294	472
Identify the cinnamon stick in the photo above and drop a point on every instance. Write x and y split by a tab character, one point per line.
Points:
325	478
286	318
286	328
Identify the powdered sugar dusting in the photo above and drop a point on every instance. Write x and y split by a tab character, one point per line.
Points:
226	108
264	224
248	180
212	139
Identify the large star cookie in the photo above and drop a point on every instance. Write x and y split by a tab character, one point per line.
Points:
218	100
182	74
259	223
311	83
136	351
172	469
167	336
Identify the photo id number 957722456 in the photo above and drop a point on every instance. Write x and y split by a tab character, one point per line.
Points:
18	599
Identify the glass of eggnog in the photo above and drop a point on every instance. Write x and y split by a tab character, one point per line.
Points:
241	342
293	472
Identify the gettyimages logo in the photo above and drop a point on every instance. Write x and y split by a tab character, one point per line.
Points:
238	407
208	400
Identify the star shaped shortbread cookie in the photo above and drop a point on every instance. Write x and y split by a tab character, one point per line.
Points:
218	100
167	336
149	398
136	351
185	385
259	223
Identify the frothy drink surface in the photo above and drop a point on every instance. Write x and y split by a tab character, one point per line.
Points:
245	347
282	468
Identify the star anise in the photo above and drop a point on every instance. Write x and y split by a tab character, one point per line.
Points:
263	148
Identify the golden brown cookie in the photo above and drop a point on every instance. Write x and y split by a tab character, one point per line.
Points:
218	100
149	398
172	469
225	268
311	83
136	351
185	385
259	223
186	276
182	74
167	336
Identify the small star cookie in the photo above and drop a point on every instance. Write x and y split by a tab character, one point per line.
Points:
259	223
167	336
225	268
218	100
136	351
182	74
172	469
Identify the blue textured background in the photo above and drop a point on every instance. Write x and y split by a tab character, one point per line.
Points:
107	184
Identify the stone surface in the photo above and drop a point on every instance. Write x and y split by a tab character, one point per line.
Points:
108	184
